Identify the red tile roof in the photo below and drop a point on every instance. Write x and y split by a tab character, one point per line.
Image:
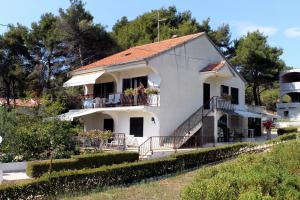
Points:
214	67
20	102
140	52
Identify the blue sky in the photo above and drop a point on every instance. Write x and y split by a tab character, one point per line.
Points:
276	18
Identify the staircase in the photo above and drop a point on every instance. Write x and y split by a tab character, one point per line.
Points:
184	131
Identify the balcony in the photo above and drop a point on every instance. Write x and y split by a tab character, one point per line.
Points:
290	87
120	99
288	105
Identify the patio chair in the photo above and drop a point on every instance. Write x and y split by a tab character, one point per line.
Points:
117	99
111	99
97	102
88	103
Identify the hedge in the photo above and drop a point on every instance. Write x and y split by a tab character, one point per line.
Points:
74	181
38	168
281	131
285	137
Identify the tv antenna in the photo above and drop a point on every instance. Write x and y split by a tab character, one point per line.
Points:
158	24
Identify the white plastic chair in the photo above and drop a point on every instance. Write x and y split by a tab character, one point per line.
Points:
117	99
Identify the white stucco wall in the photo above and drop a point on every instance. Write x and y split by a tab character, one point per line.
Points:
181	83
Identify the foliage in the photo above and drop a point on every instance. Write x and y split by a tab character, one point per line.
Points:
143	29
152	91
272	175
284	137
87	179
281	131
258	62
14	58
85	40
31	134
99	135
268	124
36	169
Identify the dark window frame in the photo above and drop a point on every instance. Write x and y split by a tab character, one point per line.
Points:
234	95
130	82
136	131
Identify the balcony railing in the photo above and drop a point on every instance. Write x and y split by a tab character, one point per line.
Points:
295	86
120	99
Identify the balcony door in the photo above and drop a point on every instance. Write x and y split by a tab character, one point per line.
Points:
102	90
135	82
206	95
108	125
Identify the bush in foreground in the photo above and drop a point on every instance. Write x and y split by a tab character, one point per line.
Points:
282	131
274	175
74	181
38	168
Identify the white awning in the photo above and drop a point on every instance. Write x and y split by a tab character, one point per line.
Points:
247	114
83	79
69	116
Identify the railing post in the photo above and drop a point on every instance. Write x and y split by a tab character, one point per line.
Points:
151	147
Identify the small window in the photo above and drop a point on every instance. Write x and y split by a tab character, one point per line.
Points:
137	126
224	90
286	113
234	95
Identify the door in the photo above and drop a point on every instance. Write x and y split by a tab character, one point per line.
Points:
255	123
137	126
108	124
206	95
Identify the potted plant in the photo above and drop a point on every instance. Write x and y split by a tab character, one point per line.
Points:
268	125
152	91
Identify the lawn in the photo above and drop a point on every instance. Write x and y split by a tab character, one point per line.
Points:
168	188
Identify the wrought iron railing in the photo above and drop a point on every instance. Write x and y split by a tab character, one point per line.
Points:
182	133
120	99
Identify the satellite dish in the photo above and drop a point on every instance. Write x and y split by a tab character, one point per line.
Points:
1	139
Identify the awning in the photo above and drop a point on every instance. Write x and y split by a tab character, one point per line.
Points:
83	79
69	116
242	113
247	114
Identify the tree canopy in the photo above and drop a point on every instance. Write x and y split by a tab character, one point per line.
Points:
34	61
258	62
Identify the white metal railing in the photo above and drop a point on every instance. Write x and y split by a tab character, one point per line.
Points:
290	86
119	99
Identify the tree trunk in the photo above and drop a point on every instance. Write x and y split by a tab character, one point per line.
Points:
255	95
80	56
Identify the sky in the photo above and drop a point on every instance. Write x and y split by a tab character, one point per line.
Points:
278	19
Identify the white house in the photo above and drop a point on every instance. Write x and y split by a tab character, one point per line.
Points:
289	106
187	71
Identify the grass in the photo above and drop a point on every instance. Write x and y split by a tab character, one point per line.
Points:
168	188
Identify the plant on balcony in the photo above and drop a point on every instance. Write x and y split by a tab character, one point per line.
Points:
226	97
97	135
152	91
130	92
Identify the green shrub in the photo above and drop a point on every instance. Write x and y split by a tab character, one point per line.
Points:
282	131
274	175
38	168
285	137
74	181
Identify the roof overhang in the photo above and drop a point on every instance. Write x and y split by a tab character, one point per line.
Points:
83	79
69	116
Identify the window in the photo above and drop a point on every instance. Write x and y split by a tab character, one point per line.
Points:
286	113
135	82
136	126
224	90
206	95
102	90
234	95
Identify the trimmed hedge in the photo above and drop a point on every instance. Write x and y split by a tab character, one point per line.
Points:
285	137
74	181
38	168
282	131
